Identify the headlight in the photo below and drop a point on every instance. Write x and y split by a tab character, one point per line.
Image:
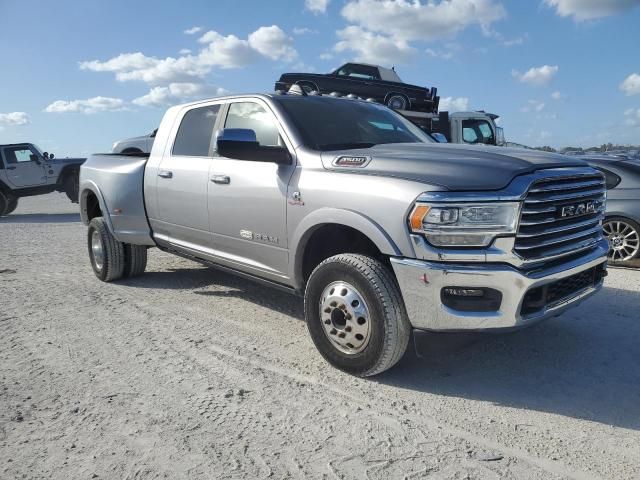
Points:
464	225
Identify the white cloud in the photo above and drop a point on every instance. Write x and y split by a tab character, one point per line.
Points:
225	51
445	55
217	51
582	10
558	95
536	76
316	6
303	30
633	117
450	104
533	106
14	119
184	51
631	85
90	105
372	48
192	30
176	93
326	56
273	43
414	20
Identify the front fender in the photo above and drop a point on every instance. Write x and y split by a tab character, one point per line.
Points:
348	218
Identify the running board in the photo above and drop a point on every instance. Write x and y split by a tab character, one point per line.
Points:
254	278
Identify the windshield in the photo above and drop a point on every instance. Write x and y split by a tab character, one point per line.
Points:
338	124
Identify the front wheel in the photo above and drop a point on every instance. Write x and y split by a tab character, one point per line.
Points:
355	314
624	239
12	204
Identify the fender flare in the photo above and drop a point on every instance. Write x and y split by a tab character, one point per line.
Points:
88	186
66	171
349	218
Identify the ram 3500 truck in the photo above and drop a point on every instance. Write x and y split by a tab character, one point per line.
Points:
349	204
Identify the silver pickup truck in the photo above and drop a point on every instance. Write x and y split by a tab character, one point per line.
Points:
349	204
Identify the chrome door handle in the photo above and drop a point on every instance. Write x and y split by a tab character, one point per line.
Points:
221	179
165	174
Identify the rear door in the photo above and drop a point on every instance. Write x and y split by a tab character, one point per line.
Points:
183	180
23	166
248	199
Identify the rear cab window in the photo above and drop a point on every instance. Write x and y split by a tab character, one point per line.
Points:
196	132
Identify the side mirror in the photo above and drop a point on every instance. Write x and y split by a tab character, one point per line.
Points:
51	156
500	141
439	137
241	144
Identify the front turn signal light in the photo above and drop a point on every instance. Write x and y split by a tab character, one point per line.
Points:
417	217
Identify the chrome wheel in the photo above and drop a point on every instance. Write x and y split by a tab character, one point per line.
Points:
397	102
97	250
624	240
345	317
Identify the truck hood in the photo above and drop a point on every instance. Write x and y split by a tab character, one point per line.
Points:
454	167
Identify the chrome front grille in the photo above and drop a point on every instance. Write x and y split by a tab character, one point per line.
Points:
560	216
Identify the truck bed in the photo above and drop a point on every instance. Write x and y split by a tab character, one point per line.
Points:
117	181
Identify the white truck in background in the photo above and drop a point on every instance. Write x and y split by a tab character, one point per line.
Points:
459	127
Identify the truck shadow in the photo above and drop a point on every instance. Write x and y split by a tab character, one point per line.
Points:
584	364
42	218
200	280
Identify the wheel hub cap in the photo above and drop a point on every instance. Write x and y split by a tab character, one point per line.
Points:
624	240
96	250
345	317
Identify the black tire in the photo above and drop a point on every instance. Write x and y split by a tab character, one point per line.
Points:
135	260
397	102
11	205
4	204
72	186
111	266
627	232
389	325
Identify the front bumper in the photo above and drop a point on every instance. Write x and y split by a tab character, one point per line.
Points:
421	284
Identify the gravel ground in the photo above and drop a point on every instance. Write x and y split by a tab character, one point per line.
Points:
186	372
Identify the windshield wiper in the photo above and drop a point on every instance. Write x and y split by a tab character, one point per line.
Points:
346	146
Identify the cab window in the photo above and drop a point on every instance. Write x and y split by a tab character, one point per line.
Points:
195	132
251	115
359	71
477	131
15	155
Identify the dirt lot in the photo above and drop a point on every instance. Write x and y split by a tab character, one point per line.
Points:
190	373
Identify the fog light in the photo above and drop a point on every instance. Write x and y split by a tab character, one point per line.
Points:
466	299
464	292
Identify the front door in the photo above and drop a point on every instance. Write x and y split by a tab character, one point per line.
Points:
248	199
183	179
23	166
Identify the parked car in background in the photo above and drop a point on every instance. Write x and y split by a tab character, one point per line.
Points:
622	219
345	202
25	170
140	144
367	81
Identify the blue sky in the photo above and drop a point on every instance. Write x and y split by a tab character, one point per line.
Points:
79	75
